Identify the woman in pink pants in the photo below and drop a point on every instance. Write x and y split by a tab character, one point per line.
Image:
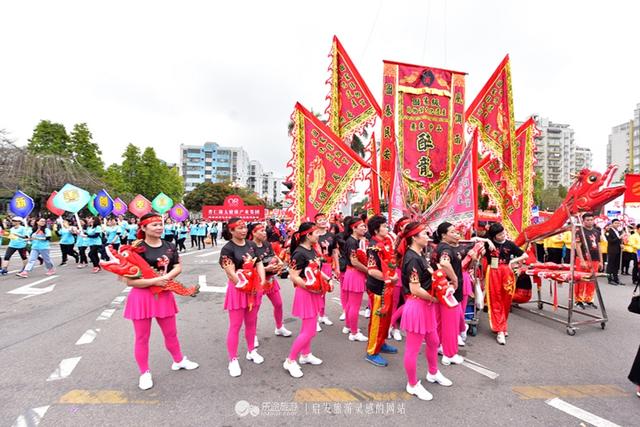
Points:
418	316
142	306
305	262
242	306
355	277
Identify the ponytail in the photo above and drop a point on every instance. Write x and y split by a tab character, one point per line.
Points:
299	236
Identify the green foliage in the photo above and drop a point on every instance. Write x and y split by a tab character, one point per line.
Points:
50	138
360	207
85	151
209	193
538	187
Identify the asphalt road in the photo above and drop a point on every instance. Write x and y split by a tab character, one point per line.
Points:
66	357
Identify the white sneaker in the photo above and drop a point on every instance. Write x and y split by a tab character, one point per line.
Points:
310	359
184	364
145	382
283	332
256	344
419	391
501	339
397	335
440	352
440	379
461	342
464	334
456	359
318	328
255	357
358	337
325	320
345	330
234	368
293	368
366	313
342	316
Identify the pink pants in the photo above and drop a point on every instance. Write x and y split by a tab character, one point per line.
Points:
276	301
411	350
394	306
236	317
302	344
463	309
448	328
352	310
142	329
343	294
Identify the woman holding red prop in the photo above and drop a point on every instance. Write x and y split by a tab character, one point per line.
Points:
272	266
142	306
354	282
241	254
419	312
304	271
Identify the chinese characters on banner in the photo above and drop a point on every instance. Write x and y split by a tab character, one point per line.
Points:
429	114
233	206
388	153
514	206
351	104
323	167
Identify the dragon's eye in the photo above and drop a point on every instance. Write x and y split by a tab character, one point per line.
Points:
592	178
126	254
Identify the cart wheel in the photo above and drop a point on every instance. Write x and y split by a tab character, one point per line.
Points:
571	331
473	330
603	325
540	305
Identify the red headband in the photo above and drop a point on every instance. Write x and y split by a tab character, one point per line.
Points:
402	223
237	224
259	227
311	230
147	221
356	224
402	247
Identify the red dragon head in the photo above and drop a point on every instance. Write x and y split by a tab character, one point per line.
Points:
591	191
123	262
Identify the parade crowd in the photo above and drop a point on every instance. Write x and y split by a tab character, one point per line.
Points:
419	284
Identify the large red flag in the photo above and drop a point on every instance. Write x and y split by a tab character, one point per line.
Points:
373	192
632	193
351	104
429	113
513	205
323	167
492	112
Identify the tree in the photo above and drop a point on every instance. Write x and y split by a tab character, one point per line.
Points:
538	187
209	193
115	181
85	151
130	168
50	138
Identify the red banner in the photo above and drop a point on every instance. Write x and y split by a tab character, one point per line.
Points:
351	104
458	201
388	151
373	192
513	205
323	167
492	113
430	120
232	207
632	193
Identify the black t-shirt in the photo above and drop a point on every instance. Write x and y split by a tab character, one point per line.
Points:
506	250
593	242
327	243
265	253
415	266
302	257
456	254
374	262
151	255
351	245
235	253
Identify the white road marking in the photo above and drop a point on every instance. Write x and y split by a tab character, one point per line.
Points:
580	414
202	281
126	290
106	315
31	418
64	369
88	337
119	299
30	291
194	252
207	254
474	366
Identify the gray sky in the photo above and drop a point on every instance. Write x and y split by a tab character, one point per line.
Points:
163	73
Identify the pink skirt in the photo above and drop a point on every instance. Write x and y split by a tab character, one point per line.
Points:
305	304
275	288
237	300
354	280
142	304
418	316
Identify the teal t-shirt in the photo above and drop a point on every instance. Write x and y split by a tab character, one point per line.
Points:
39	240
133	229
20	232
96	240
66	237
113	236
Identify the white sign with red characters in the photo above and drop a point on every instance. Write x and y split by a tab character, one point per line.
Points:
233	207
